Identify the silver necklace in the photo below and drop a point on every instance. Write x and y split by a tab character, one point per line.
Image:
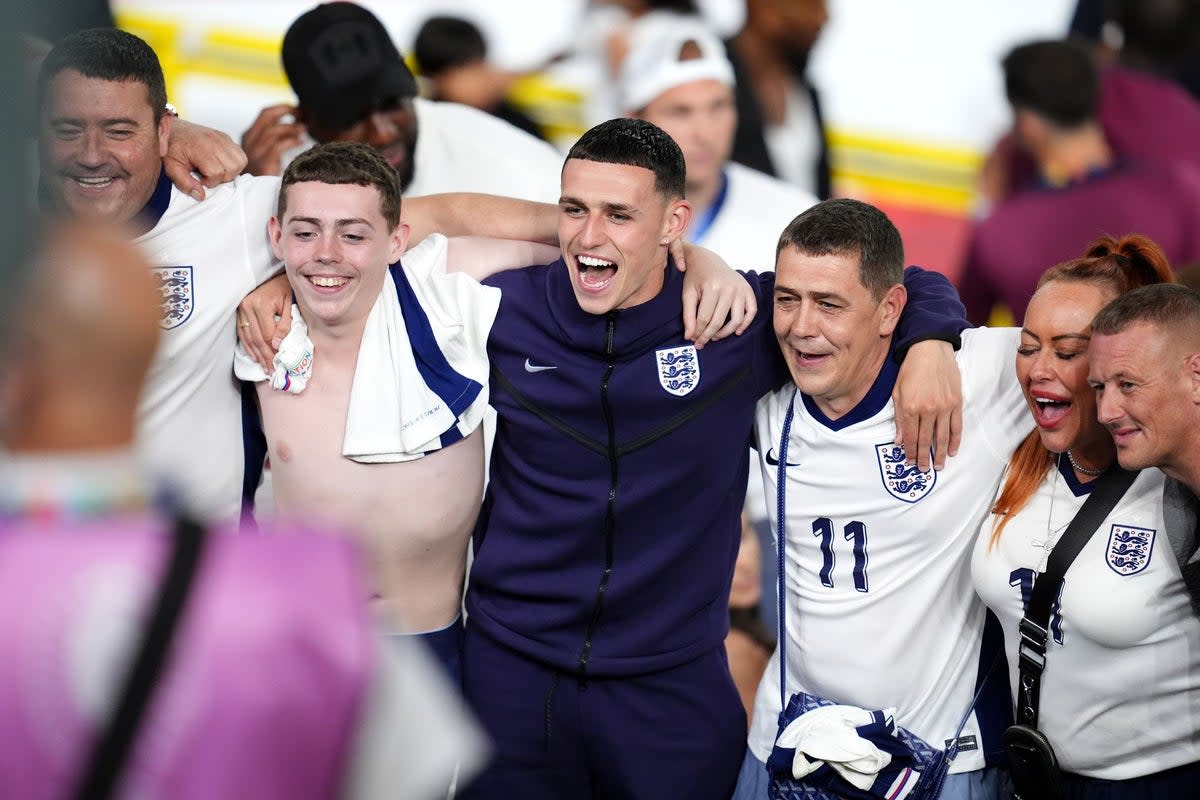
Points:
1091	473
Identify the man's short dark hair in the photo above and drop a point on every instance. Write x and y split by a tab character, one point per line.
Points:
443	43
107	54
847	227
1168	306
1057	80
345	163
639	144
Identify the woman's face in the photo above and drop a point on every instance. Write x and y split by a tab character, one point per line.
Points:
1052	366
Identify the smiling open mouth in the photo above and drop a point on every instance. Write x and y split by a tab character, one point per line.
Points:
595	273
327	282
93	183
1050	412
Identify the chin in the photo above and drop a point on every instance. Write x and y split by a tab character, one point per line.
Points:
594	304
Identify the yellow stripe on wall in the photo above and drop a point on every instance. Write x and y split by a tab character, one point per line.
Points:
938	178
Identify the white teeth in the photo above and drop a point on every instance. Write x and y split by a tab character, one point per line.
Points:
328	283
589	261
93	181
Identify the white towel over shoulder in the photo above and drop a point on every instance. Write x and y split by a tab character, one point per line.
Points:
415	381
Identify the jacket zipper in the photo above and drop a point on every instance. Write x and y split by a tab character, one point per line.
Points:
610	513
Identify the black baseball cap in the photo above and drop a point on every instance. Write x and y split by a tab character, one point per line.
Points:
342	63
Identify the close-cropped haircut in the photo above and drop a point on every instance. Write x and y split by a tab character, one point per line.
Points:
1057	80
345	163
443	43
1168	306
848	227
636	143
107	54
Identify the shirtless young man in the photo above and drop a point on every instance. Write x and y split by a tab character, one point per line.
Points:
337	230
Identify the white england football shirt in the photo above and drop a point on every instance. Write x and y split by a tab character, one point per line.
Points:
1120	694
881	612
207	256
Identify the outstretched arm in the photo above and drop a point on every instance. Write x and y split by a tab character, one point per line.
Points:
467	214
928	391
480	256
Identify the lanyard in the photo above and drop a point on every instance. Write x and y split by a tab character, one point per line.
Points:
710	214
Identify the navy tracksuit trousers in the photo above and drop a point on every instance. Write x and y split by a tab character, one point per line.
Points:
676	733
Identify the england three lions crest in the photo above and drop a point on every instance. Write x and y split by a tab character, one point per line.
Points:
178	295
678	369
903	481
1129	549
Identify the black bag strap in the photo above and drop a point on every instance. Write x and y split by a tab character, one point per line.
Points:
1034	627
110	753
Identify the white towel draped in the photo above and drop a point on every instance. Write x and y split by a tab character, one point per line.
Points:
421	381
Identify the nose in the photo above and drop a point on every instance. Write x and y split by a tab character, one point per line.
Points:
381	130
1040	367
93	151
591	234
803	322
1108	407
328	250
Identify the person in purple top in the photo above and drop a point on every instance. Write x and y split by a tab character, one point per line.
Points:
597	602
1086	186
273	682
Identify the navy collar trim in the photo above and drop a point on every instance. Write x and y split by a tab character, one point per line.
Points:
153	211
633	323
872	403
1077	487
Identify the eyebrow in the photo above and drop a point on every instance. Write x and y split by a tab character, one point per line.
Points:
622	208
1083	337
814	295
104	123
340	223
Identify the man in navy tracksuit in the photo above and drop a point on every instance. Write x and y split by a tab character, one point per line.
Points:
597	604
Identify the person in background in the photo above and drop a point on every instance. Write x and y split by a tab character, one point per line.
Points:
771	53
453	55
1084	189
749	643
1124	645
351	84
676	75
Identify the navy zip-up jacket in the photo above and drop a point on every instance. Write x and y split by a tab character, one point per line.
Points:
608	535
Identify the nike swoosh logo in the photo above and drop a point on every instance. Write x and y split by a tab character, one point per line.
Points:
773	459
531	367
